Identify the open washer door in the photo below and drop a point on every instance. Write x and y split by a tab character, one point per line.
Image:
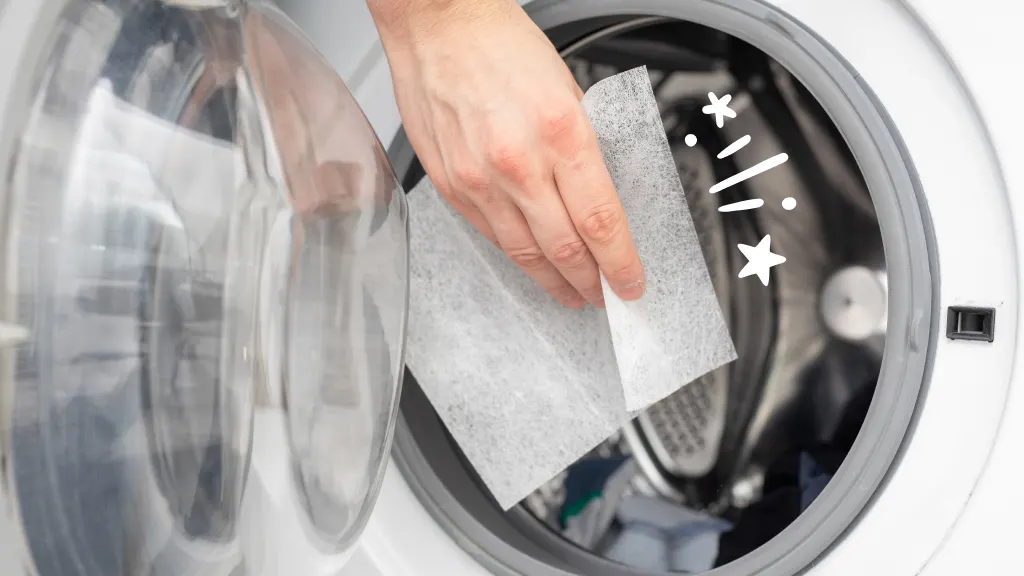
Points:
204	293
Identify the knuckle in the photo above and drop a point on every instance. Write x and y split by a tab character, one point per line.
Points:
624	274
565	294
509	160
470	180
561	129
603	224
557	122
570	254
530	258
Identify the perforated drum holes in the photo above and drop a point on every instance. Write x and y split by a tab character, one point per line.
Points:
968	323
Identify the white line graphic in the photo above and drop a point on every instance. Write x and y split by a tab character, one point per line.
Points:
734	147
742	205
749	173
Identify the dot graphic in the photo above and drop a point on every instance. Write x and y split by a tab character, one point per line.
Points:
690	140
789	203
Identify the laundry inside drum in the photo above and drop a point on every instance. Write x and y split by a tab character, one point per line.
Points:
719	468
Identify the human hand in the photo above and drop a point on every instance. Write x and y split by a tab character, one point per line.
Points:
494	115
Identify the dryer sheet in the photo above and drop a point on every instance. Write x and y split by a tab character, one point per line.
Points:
525	386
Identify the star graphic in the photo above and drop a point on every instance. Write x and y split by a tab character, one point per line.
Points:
720	108
759	259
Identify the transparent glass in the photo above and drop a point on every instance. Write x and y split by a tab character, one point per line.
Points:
205	290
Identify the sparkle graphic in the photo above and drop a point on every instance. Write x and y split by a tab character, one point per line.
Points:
720	108
760	259
743	205
762	166
734	147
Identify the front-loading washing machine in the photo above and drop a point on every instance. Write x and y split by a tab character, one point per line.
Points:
204	306
899	150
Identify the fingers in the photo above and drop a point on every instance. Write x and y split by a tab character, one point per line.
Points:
523	176
561	243
492	211
518	241
471	214
589	196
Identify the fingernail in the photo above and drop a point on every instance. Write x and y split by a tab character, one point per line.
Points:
632	291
